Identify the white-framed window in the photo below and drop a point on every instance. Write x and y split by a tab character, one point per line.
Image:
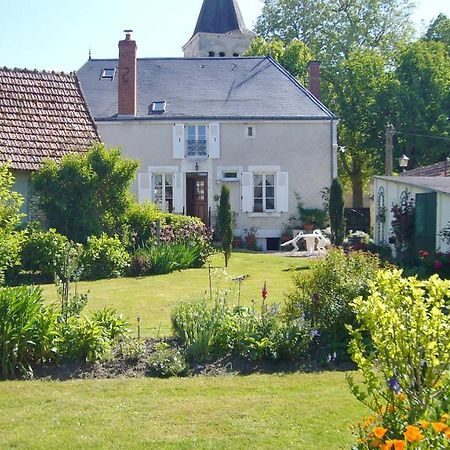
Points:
263	192
163	191
196	140
250	131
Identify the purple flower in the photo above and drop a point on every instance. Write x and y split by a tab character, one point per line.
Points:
315	333
394	385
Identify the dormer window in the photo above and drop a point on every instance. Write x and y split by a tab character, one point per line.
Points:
158	107
212	54
108	74
222	54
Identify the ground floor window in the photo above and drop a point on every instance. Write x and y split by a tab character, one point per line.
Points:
163	191
263	192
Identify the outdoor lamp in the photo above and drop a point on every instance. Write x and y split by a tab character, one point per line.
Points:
403	162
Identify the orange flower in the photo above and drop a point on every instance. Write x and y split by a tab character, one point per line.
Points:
368	421
424	424
379	432
413	434
447	434
394	444
401	397
439	427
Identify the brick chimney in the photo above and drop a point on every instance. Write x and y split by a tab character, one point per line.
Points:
127	76
314	78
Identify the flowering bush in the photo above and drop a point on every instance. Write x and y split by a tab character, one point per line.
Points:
405	367
403	229
434	263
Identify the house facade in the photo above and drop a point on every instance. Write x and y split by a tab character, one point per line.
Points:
431	196
197	123
42	115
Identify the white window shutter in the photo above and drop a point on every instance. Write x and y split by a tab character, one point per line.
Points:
282	192
214	140
144	187
178	141
178	199
247	191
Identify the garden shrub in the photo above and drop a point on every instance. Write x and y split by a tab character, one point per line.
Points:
140	264
403	229
167	362
401	348
104	257
130	349
113	326
431	263
41	249
10	216
323	295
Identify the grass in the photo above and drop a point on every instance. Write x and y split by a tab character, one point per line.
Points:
301	411
153	298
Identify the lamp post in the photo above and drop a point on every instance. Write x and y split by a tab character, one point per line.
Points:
403	162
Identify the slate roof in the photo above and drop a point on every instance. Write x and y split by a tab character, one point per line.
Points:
42	115
439	184
220	16
439	169
251	88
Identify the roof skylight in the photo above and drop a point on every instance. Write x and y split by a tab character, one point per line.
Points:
158	107
108	74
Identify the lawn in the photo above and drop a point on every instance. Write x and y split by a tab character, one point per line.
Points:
298	411
152	298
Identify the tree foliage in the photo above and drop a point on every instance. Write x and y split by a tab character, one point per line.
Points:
86	195
335	28
224	223
336	212
10	216
422	101
439	31
294	56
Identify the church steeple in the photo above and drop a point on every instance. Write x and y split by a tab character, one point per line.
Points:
220	31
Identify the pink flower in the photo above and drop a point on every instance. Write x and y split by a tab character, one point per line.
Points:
438	264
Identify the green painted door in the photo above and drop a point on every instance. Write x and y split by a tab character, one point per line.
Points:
426	211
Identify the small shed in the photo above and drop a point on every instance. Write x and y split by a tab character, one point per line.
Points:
432	200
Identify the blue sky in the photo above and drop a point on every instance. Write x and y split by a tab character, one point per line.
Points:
57	34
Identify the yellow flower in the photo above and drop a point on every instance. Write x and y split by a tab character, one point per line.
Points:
401	397
424	424
413	434
368	421
440	427
445	417
379	432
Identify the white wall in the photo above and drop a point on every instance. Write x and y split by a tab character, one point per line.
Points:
22	185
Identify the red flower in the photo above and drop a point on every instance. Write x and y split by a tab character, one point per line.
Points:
264	291
423	254
438	264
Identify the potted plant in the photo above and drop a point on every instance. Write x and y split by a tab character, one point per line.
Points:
313	218
250	237
237	242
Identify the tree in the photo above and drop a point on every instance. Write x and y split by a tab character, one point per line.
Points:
87	194
439	31
422	99
332	29
294	57
224	223
336	212
361	97
10	216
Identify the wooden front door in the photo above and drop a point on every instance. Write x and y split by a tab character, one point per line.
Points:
197	195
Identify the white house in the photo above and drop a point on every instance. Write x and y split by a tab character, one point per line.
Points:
431	196
196	123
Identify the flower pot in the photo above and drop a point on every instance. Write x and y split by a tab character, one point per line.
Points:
308	226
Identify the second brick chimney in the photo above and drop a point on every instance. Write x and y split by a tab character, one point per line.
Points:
127	76
314	78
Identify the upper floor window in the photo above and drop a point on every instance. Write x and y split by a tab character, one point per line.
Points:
163	191
263	192
196	142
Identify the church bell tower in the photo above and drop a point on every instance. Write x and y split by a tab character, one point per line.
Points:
220	31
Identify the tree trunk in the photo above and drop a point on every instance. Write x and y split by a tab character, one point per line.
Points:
357	190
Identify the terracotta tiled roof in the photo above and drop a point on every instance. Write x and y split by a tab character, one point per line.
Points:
42	115
440	169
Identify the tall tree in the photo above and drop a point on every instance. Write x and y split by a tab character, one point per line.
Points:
335	28
224	223
362	99
336	212
423	102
